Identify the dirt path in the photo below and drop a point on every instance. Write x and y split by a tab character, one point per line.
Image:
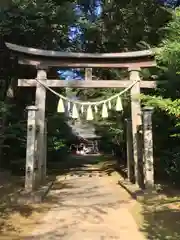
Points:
88	208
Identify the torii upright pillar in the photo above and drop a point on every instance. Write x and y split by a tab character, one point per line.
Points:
40	120
136	119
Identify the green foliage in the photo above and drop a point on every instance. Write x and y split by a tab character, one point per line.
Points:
126	25
42	23
168	165
122	26
12	135
169	55
167	104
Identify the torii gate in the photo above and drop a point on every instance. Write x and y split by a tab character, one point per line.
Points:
44	59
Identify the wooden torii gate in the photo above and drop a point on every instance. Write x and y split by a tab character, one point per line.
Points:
44	59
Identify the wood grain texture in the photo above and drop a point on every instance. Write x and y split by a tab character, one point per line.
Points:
148	148
40	119
30	149
87	84
129	144
58	54
136	117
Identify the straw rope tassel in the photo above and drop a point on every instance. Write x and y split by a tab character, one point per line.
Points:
69	106
104	111
109	105
75	113
82	109
89	113
95	109
119	107
60	107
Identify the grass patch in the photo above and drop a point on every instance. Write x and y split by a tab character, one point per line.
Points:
158	215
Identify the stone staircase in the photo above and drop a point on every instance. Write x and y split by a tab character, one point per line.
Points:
83	130
80	128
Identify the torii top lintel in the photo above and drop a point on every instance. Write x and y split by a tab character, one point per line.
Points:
47	58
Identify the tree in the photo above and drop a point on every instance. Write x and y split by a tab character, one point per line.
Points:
120	26
43	24
167	103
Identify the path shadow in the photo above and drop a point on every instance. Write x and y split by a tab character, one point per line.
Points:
60	192
76	164
161	221
79	201
161	214
10	187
